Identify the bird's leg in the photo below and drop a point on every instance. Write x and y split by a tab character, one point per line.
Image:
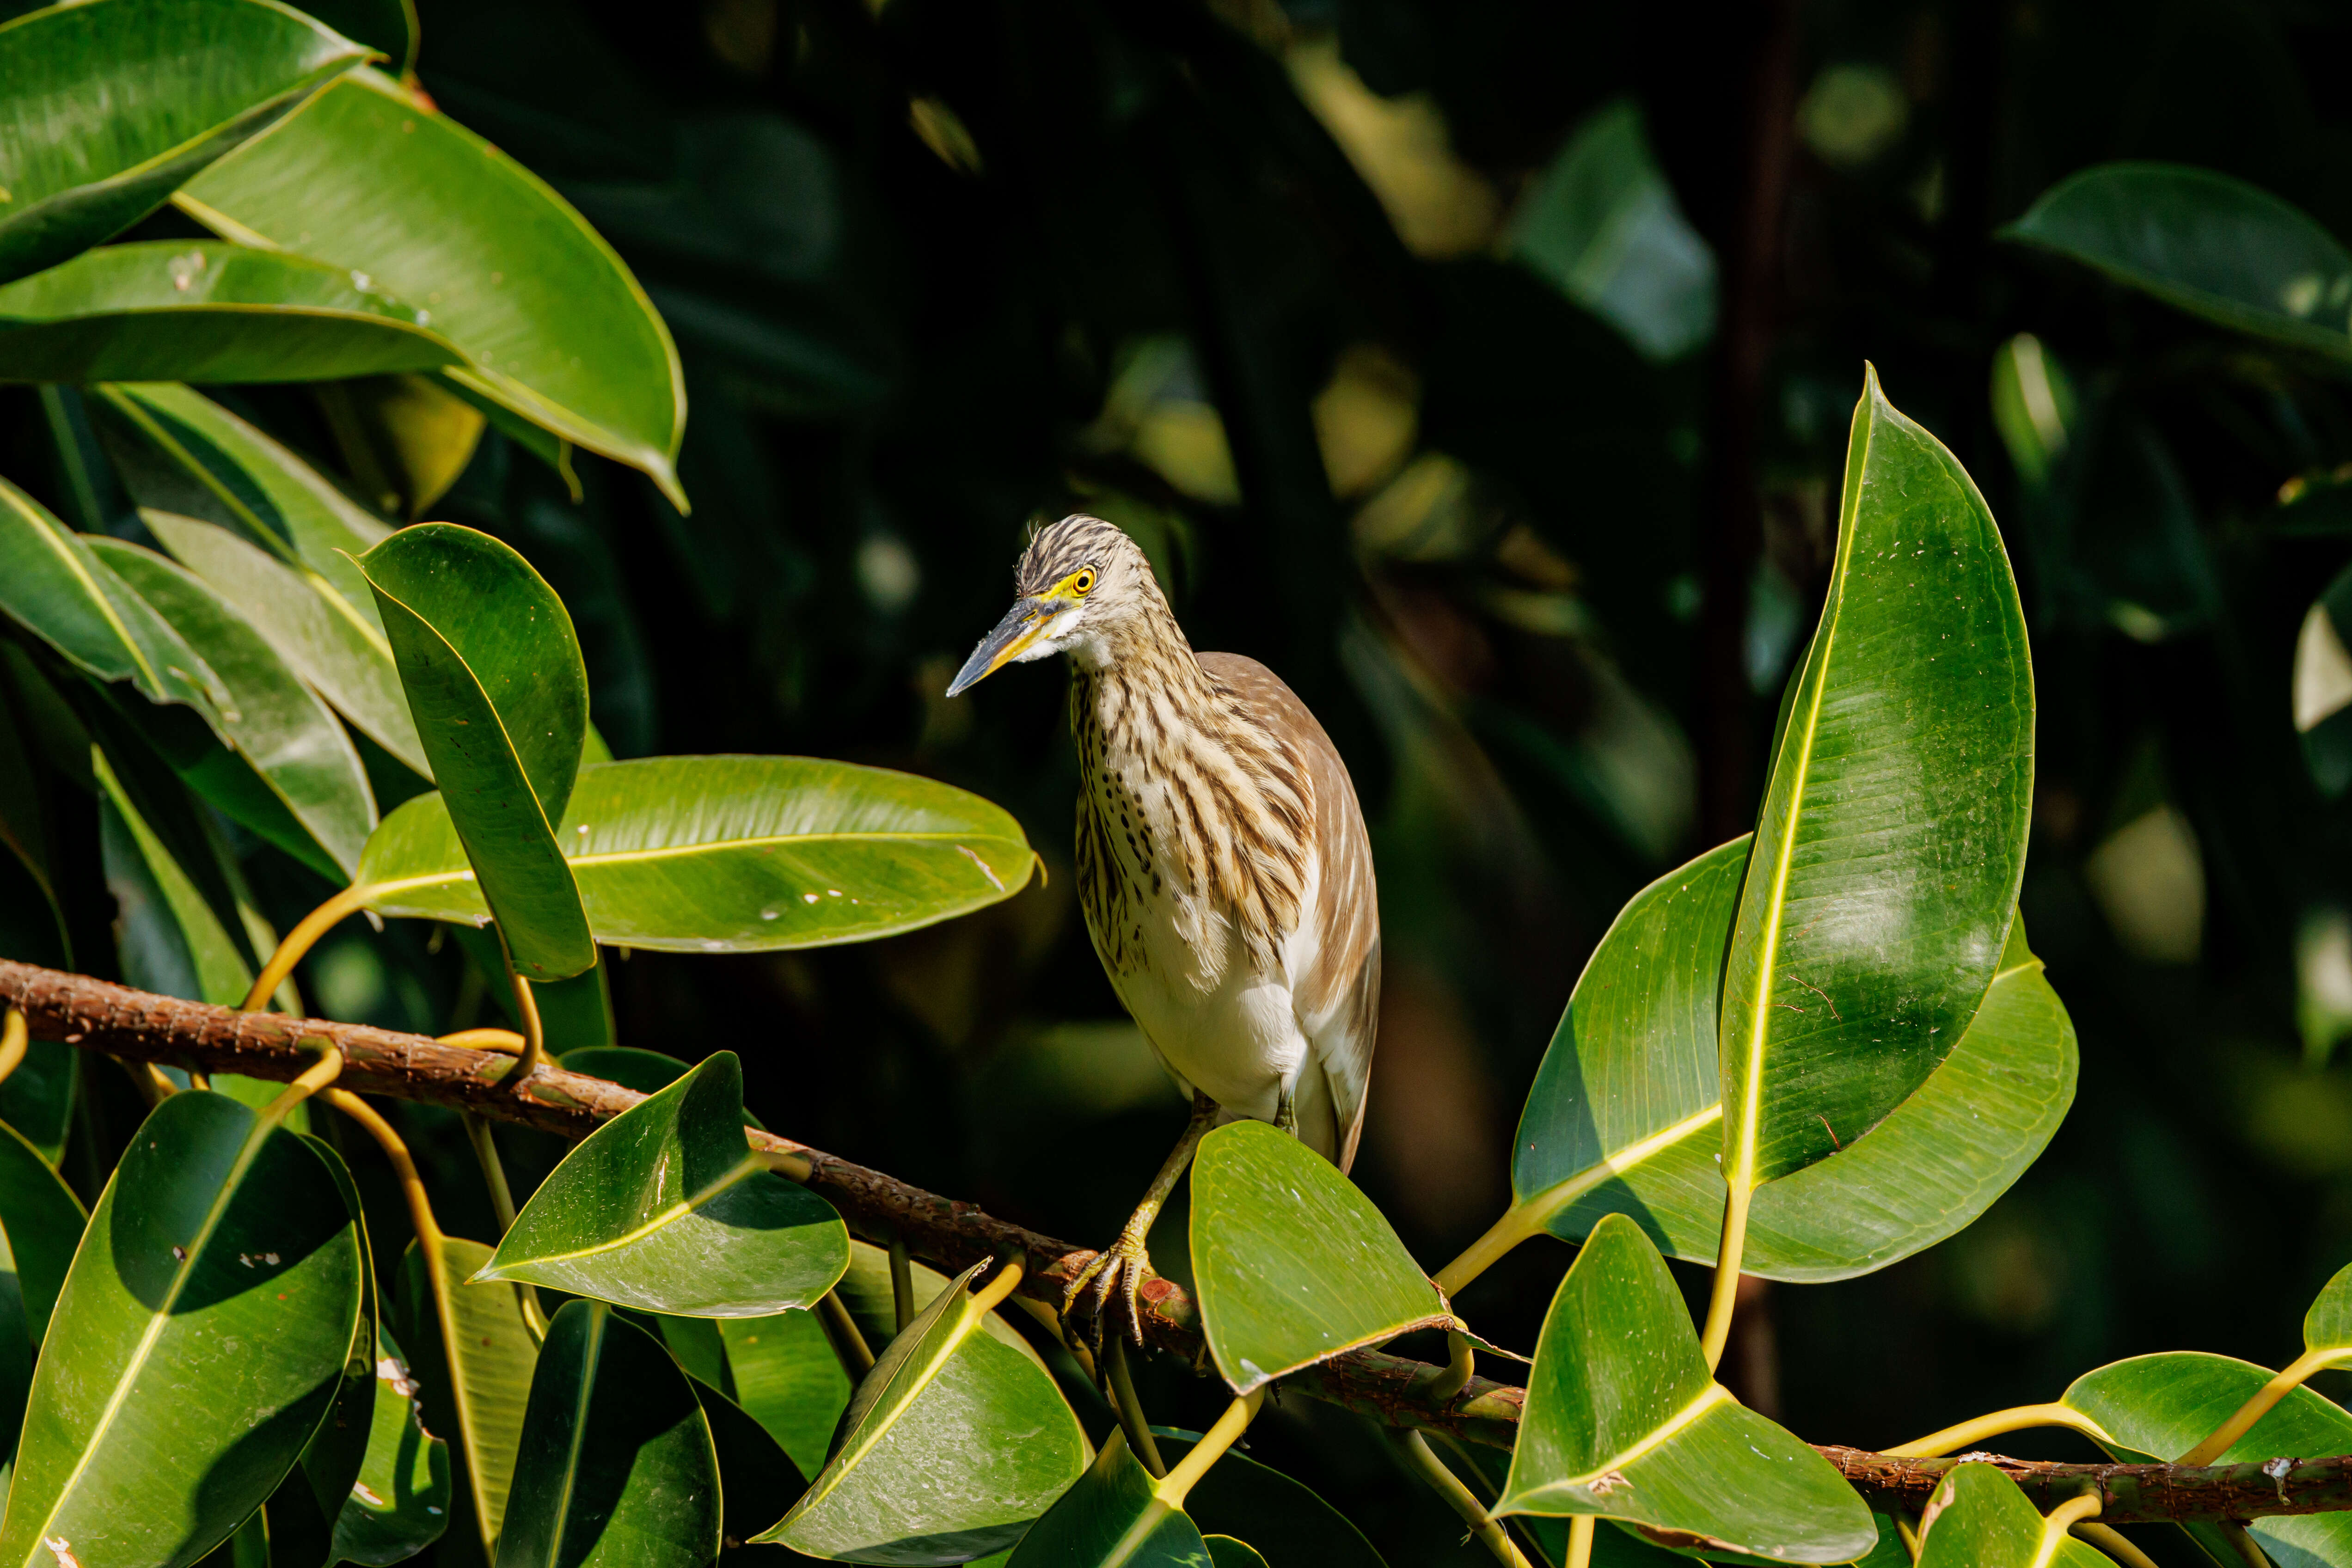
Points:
1286	1111
1124	1265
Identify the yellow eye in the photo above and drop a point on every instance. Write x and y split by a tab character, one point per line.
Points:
1083	581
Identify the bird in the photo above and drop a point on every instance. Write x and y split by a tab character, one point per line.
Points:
1223	865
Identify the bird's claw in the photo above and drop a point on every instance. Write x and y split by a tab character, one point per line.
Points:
1122	1268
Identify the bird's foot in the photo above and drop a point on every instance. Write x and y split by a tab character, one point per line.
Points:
1286	1113
1119	1272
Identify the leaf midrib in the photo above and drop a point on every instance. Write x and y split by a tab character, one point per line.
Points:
1713	1395
158	1318
600	1319
596	860
901	1400
749	1167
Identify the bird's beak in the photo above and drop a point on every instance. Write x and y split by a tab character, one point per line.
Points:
1013	633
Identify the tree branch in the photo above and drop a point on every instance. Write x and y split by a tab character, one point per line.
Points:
140	1026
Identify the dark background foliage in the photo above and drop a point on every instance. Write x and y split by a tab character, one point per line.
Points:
1279	289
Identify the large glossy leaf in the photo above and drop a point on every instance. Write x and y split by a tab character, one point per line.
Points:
1292	1265
912	1481
1979	1519
2157	1407
1624	1116
733	854
616	1464
57	588
1285	1521
171	934
495	680
473	1355
789	1379
553	324
1113	1517
276	725
1625	1420
400	1504
1887	857
344	654
40	1225
156	1428
667	1208
112	104
2213	246
757	1480
2327	1326
203	311
37	1099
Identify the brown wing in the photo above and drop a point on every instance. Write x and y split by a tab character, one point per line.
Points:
1337	999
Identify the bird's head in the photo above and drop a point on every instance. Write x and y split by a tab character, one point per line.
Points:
1083	587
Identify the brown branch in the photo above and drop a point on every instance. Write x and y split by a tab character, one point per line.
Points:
140	1026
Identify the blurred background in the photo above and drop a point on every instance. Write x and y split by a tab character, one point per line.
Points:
1485	368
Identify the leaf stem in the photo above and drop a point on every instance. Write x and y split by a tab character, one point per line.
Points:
856	1358
505	1040
1486	1251
1447	1485
298	942
1461	1364
429	1235
2115	1543
308	1082
902	1281
16	1038
1909	1537
2020	1418
1733	1244
1178	1484
534	1035
1580	1530
494	1175
2242	1421
1131	1418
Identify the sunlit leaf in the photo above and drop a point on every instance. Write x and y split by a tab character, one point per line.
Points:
789	1378
494	677
153	1431
616	1464
758	1480
1979	1519
2205	242
274	723
171	935
906	1484
1113	1517
1887	862
1625	1420
476	1402
113	103
667	1208
733	854
1292	1264
552	323
1625	1111
400	1504
40	1225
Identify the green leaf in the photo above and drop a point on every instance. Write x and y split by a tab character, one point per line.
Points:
1227	1553
733	854
1113	1517
1887	857
115	104
1292	1265
2157	1407
37	1099
41	1222
345	659
757	1478
788	1379
1625	1420
1625	1111
616	1464
54	587
2327	1327
907	1482
1285	1521
2323	689
494	677
387	26
169	933
473	1354
400	1504
154	1429
552	323
1979	1519
665	1208
274	723
2204	242
203	311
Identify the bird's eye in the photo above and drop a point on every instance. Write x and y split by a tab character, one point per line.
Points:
1083	581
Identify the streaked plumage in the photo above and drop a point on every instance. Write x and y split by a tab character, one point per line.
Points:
1221	859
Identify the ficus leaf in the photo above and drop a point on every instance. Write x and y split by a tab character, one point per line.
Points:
494	677
732	854
473	1354
665	1208
1285	1521
1292	1264
400	1502
788	1378
1625	1420
1979	1519
1113	1517
1886	861
171	86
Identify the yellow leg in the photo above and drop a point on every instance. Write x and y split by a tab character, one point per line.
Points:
1122	1268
